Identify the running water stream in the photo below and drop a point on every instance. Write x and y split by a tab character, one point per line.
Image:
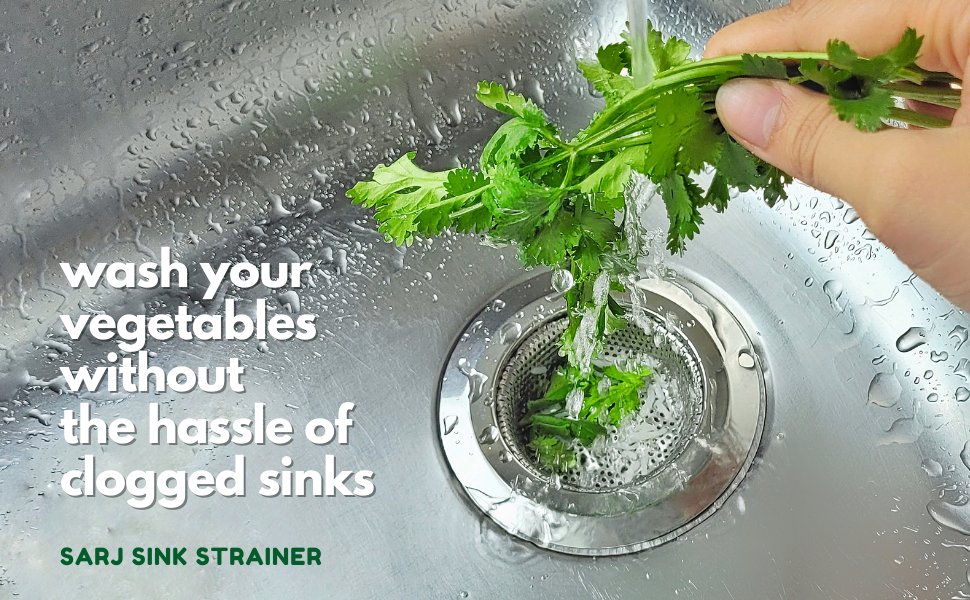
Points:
637	18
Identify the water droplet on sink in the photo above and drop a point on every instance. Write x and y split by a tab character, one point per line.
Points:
960	334
833	289
476	380
932	467
498	305
962	394
509	333
830	238
902	431
450	421
850	216
950	516
44	419
884	390
489	435
899	560
562	281
928	375
938	356
963	369
745	360
913	338
809	282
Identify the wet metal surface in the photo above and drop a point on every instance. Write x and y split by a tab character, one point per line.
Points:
230	130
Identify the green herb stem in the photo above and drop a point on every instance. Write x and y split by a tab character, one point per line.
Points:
638	139
940	96
911	117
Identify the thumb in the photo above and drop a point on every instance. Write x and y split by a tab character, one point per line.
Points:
797	131
910	187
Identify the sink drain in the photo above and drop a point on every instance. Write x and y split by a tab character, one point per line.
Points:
674	411
651	480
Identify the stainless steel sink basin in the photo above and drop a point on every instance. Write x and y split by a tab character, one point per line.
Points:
230	130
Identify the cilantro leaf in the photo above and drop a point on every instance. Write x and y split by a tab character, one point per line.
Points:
737	167
718	193
611	178
612	85
520	206
400	192
775	182
867	113
701	142
826	76
882	67
553	453
467	189
493	95
510	140
681	209
666	54
599	229
614	57
762	66
550	245
671	125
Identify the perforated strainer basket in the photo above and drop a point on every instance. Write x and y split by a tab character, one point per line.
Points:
660	473
526	375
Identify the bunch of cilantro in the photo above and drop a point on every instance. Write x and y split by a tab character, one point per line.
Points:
563	202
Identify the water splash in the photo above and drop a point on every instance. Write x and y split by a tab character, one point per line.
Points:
574	403
638	199
585	343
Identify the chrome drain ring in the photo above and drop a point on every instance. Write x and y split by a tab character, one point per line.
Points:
673	494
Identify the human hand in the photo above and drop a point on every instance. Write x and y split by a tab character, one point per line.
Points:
910	187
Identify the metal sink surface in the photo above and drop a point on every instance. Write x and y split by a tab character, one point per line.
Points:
231	130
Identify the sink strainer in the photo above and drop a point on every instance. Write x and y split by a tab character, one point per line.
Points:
671	421
661	474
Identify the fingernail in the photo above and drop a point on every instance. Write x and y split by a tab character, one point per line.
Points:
749	109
